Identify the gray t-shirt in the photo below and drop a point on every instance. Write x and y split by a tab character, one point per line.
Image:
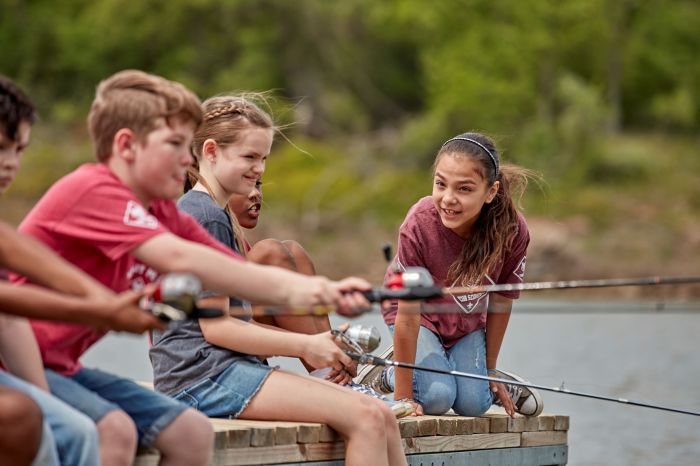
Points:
180	355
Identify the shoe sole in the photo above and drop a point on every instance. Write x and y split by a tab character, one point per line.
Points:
532	392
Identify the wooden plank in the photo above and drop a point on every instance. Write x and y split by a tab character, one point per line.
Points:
465	425
536	439
255	455
230	436
427	426
561	422
482	425
324	451
329	435
408	427
460	442
532	423
546	422
498	423
516	424
446	425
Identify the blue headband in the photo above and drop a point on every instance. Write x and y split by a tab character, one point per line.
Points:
473	141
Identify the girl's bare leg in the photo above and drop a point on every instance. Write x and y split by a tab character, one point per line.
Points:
368	426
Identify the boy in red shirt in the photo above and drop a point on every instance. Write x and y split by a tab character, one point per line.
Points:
117	221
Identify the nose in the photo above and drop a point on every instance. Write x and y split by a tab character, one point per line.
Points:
259	167
448	196
9	160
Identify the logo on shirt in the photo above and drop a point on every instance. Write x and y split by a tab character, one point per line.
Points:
520	269
136	216
471	301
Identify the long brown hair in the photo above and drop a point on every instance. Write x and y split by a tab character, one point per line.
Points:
225	117
497	225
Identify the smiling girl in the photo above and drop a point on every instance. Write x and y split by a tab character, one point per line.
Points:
468	232
217	365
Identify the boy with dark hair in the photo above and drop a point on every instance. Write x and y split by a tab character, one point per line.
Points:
37	426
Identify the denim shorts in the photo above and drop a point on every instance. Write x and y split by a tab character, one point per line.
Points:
228	393
95	393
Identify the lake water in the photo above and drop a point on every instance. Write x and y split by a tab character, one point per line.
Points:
644	356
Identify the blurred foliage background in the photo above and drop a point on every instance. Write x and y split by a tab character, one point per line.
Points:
600	96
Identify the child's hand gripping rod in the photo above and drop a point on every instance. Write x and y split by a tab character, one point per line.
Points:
175	299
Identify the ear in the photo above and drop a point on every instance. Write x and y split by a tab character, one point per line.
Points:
210	150
123	144
493	190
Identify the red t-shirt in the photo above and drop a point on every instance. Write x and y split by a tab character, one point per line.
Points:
93	220
425	242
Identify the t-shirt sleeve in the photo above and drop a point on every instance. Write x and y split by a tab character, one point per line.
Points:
191	230
410	253
110	219
513	270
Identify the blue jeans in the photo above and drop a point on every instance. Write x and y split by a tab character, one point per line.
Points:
228	393
437	393
68	434
95	393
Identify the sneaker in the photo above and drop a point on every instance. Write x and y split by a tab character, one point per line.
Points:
375	376
527	401
399	408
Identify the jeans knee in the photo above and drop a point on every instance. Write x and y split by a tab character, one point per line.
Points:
472	405
438	399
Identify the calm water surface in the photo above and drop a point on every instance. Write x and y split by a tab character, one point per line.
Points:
638	356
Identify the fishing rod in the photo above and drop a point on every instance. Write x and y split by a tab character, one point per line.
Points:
368	359
416	284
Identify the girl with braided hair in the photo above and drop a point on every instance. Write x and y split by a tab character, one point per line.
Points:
217	365
468	232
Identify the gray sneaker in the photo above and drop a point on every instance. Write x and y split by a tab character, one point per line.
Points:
375	376
527	401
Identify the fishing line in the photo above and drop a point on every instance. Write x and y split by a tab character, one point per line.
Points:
377	361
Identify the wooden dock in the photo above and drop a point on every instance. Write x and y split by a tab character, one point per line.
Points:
494	439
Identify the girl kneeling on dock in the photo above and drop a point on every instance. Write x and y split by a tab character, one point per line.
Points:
468	232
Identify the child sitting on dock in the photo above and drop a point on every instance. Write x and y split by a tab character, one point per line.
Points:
117	220
468	232
60	434
217	366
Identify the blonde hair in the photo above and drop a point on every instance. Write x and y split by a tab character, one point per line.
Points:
137	100
225	117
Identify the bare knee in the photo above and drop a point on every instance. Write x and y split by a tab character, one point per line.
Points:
188	440
302	258
21	425
272	252
371	420
118	438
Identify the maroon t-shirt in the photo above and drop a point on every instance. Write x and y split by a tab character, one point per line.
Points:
94	221
425	242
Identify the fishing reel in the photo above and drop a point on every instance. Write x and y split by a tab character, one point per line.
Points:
358	338
411	283
175	299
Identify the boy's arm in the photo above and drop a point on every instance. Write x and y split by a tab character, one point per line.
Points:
29	257
120	313
262	284
92	303
20	352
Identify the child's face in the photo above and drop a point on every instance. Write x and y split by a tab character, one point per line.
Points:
160	162
240	165
10	152
459	192
247	208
